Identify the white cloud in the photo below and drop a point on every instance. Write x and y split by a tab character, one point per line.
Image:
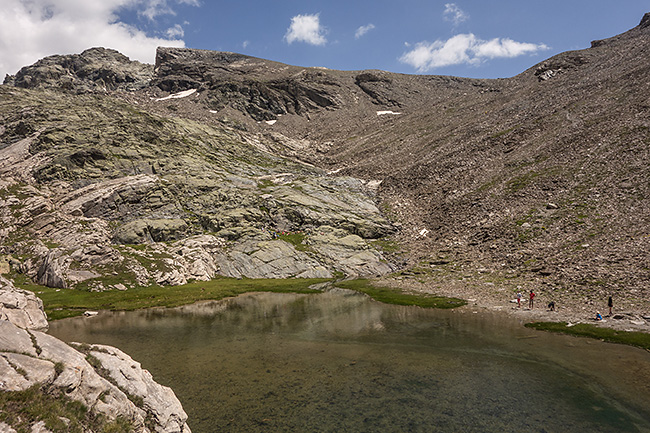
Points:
363	30
30	30
245	44
464	49
454	14
507	48
175	32
154	8
306	28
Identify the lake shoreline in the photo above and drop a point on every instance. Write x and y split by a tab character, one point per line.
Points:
503	301
441	293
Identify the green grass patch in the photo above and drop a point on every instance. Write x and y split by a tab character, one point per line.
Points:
530	216
51	245
520	182
20	409
17	190
137	247
146	257
61	303
487	186
504	132
386	245
529	234
639	339
295	239
265	183
398	297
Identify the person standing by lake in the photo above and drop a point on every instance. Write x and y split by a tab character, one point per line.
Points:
518	299
610	304
531	296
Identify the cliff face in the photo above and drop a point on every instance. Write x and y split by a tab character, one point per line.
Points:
110	384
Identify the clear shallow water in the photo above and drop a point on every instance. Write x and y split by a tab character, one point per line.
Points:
340	362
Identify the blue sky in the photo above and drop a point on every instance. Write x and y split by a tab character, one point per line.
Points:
470	38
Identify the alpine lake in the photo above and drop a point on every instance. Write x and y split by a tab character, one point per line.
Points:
340	362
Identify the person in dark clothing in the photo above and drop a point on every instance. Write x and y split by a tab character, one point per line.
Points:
610	304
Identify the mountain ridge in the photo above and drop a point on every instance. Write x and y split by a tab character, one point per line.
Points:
535	180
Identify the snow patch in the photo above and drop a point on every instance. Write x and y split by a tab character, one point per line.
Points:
373	184
270	122
423	233
213	111
380	113
182	94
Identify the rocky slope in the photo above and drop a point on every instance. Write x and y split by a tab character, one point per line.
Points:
105	380
95	190
195	168
544	182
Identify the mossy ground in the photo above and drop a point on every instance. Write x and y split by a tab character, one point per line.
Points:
61	303
639	339
296	239
398	297
21	409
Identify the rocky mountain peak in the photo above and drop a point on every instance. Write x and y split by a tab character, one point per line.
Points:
260	89
645	21
168	56
180	69
95	69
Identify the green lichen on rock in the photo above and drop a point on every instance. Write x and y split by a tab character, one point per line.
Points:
101	171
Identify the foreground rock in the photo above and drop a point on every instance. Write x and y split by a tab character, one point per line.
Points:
20	307
107	381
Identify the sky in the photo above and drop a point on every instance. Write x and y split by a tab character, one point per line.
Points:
465	38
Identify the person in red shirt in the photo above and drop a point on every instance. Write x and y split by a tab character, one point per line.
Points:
530	299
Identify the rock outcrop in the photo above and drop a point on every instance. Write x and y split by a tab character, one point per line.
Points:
96	69
163	410
234	80
51	271
20	307
79	206
107	381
